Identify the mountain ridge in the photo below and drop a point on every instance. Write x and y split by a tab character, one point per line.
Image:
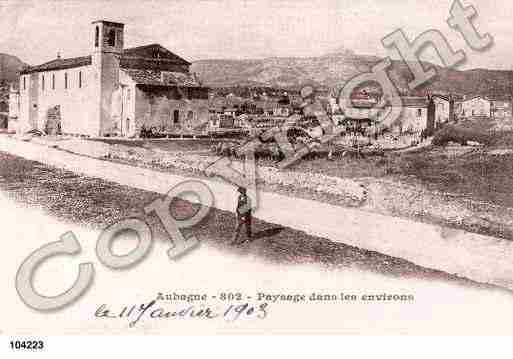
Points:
334	69
10	66
330	71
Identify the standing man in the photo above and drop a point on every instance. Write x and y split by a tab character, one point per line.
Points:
243	213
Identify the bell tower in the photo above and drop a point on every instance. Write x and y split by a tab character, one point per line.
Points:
107	41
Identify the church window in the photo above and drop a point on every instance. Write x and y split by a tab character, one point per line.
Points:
65	80
24	83
80	79
96	36
43	82
53	81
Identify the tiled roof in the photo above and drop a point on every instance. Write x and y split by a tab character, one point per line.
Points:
59	64
153	52
161	78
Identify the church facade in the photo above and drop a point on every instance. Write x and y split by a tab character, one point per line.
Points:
112	92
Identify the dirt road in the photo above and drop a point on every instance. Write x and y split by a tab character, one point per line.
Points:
477	257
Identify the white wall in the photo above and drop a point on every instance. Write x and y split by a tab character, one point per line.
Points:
412	121
480	106
441	110
76	103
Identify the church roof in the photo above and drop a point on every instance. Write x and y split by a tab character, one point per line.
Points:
59	64
154	52
162	78
149	55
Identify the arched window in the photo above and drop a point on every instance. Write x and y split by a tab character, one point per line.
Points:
80	79
65	80
96	36
43	82
112	38
53	81
190	116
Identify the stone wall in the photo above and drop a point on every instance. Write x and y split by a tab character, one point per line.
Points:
166	109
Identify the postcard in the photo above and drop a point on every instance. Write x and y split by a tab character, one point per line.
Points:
255	167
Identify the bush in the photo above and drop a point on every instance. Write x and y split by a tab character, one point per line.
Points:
461	135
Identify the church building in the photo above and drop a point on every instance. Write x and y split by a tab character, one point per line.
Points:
113	91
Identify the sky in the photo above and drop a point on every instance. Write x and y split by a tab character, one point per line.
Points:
36	30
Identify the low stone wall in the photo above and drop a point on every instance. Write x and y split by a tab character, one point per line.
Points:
347	189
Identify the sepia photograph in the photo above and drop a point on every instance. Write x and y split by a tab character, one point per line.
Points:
255	167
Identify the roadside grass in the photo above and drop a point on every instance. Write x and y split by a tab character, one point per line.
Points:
97	203
476	175
471	172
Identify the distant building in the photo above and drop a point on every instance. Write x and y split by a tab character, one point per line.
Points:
477	106
14	107
414	117
282	110
231	111
360	110
112	91
443	109
501	108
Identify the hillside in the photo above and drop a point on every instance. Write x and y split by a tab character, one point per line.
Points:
331	70
9	67
334	69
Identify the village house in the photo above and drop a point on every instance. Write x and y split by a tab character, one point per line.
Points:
414	116
416	113
14	107
501	108
477	106
282	110
112	91
443	109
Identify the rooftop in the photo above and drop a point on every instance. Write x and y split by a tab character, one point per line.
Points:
152	53
162	78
